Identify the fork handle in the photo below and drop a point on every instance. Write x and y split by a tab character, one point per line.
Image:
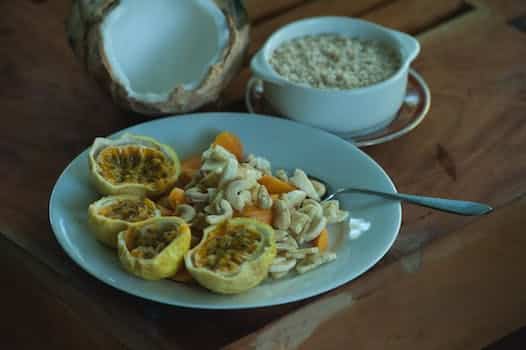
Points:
448	205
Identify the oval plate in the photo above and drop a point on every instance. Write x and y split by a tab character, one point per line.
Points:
286	144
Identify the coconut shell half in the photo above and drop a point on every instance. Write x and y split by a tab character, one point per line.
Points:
109	44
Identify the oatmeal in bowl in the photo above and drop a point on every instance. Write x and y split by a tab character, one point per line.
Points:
341	74
332	61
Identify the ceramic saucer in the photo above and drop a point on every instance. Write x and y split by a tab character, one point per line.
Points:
413	111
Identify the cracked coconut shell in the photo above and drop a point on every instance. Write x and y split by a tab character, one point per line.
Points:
86	29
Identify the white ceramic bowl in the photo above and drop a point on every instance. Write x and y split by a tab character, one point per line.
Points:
345	112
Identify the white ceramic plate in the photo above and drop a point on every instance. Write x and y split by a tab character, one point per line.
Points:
287	144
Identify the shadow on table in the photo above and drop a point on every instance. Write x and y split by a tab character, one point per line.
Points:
513	341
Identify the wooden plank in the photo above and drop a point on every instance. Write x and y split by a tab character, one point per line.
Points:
102	317
92	315
405	15
34	317
258	9
51	89
509	9
467	292
53	111
465	104
417	16
474	89
263	30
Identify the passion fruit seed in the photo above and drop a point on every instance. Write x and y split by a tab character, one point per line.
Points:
128	210
150	242
154	249
225	253
132	164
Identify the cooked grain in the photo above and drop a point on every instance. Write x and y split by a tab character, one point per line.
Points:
332	61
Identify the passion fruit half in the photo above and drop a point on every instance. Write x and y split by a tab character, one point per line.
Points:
233	256
154	249
132	164
110	215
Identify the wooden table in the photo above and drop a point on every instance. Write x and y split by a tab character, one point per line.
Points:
448	282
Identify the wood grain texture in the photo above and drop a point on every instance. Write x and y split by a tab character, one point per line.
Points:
417	15
458	299
34	315
509	9
53	110
56	112
259	10
262	31
476	118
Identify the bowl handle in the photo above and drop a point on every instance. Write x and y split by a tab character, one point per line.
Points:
409	43
249	92
260	68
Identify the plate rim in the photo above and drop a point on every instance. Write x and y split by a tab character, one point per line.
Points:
190	305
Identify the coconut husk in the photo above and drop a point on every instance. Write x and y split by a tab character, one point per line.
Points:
84	33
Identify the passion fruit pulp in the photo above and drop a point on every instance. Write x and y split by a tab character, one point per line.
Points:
133	165
112	214
155	248
233	256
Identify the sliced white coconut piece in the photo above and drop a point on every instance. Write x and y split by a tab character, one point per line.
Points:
162	56
154	47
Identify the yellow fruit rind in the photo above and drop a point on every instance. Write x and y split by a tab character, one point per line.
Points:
106	229
106	187
167	262
251	272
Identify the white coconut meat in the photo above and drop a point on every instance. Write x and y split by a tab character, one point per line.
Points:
155	46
